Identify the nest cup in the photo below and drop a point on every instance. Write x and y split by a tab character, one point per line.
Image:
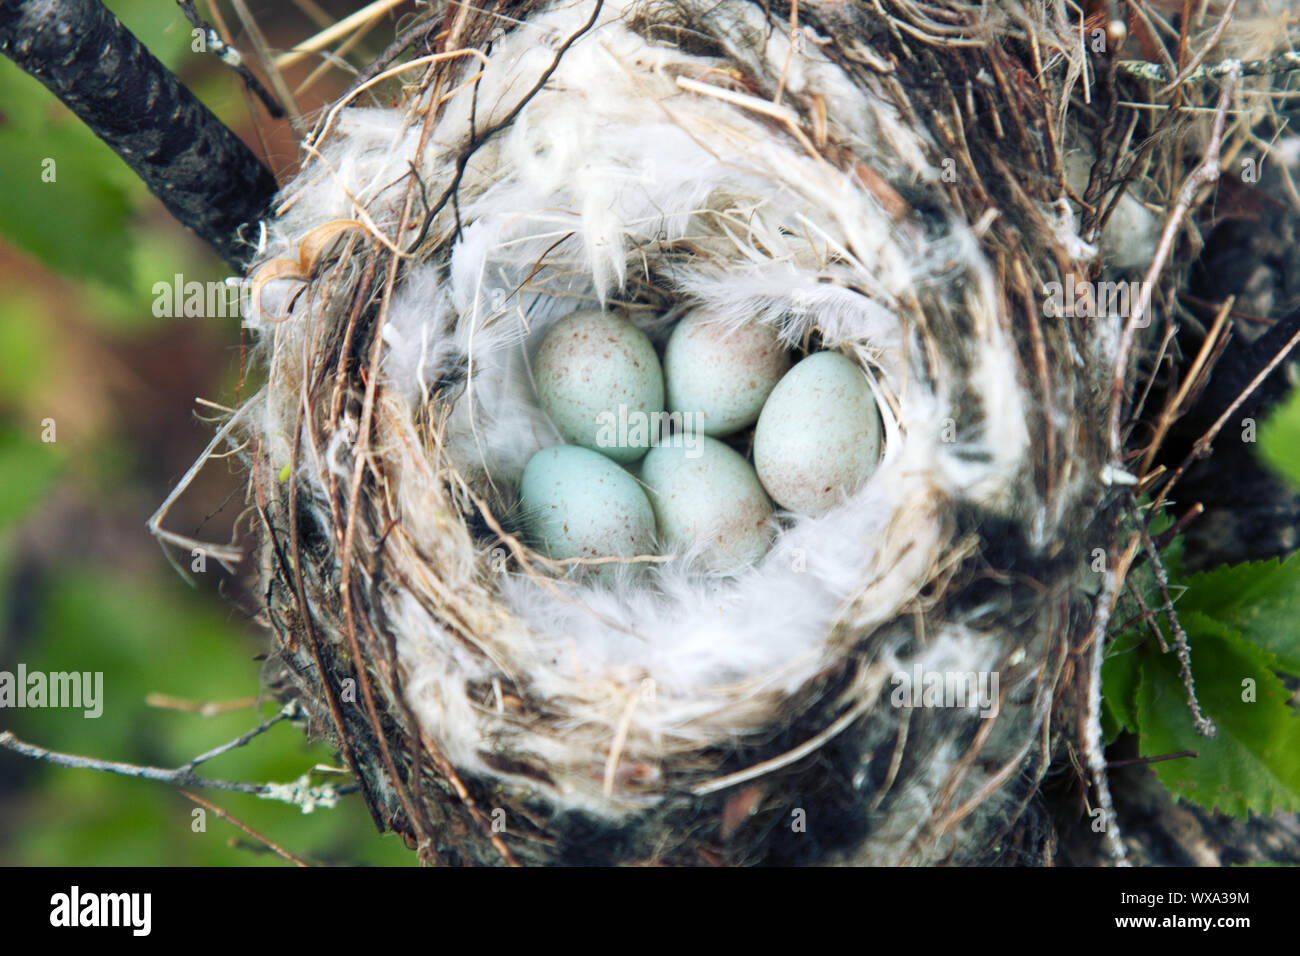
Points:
498	706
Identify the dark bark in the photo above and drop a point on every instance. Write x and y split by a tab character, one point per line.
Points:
203	173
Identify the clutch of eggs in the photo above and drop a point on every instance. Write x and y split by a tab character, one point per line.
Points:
648	460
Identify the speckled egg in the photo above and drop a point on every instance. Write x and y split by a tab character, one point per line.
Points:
724	374
707	495
576	503
818	437
599	380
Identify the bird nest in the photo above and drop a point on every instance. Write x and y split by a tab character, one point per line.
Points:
890	682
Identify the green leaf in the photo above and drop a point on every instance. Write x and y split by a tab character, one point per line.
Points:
1253	764
1279	439
27	467
1260	600
1120	673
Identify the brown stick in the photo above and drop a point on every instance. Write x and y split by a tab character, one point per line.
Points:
1204	174
265	841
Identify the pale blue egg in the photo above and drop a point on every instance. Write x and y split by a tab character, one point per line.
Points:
718	377
706	495
576	503
818	437
599	380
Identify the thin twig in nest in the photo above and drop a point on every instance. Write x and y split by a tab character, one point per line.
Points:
342	28
462	161
1284	62
1202	447
1204	174
1209	45
1182	399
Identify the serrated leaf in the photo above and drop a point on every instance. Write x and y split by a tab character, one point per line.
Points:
27	467
1259	599
1279	439
1120	673
1253	764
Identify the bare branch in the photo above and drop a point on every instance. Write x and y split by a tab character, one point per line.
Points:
299	793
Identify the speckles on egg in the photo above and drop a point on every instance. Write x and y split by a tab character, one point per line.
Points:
578	504
818	437
708	496
599	380
724	374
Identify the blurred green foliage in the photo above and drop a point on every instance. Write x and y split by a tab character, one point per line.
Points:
157	635
89	245
1279	440
77	221
27	467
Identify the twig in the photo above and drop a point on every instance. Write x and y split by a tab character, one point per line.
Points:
789	53
1145	760
1169	414
228	55
340	29
1202	446
1209	45
1204	174
207	708
1090	713
1283	62
287	712
275	847
298	793
1145	17
1187	517
273	74
229	556
447	770
462	161
335	58
1204	726
393	51
1147	615
809	746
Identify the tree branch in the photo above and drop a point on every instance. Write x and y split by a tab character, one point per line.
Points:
300	793
203	173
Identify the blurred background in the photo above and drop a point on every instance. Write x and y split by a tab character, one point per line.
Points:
83	585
